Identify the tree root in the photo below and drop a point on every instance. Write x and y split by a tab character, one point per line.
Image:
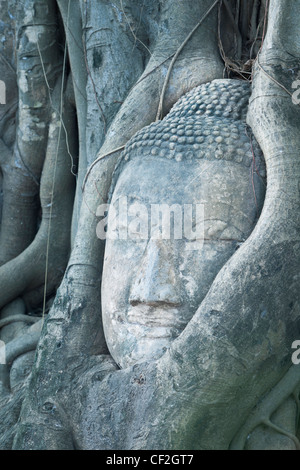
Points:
22	171
288	386
17	318
275	123
23	344
159	114
50	248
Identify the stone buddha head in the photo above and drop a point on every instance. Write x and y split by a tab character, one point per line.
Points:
186	193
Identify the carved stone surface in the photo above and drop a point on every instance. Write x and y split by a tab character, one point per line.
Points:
201	154
209	122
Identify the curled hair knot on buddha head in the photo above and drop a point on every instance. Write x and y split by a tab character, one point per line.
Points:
208	123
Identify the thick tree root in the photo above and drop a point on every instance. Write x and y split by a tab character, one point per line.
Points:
18	318
47	256
37	42
23	344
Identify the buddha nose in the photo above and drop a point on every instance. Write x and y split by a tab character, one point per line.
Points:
157	279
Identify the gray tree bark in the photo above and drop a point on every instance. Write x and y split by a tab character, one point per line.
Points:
89	75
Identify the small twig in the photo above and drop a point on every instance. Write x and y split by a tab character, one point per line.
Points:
88	207
97	161
257	58
235	66
255	39
254	166
236	29
132	32
153	70
282	431
272	78
162	96
262	413
252	171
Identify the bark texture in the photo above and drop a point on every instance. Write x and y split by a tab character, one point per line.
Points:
90	75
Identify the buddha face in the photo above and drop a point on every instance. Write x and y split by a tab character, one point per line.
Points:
152	285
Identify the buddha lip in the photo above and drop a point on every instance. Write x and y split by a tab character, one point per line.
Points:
149	316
